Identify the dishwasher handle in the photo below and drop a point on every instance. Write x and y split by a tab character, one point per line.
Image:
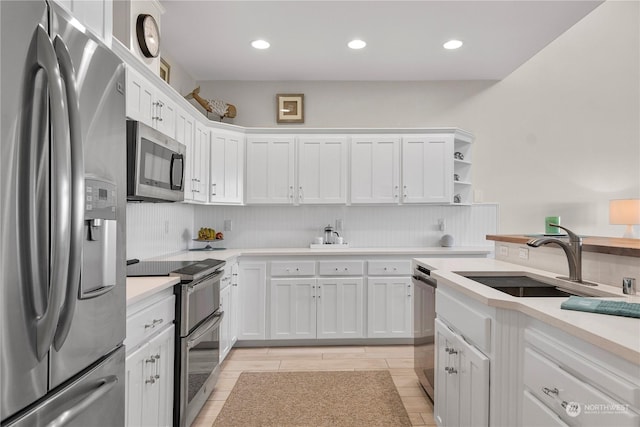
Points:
426	280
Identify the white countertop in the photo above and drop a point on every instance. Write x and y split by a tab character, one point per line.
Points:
228	254
616	334
139	288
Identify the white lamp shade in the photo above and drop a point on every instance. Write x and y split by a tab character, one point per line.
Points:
624	211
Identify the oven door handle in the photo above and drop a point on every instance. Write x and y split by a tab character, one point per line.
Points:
426	280
202	330
206	282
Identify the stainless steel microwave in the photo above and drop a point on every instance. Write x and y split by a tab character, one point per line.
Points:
155	165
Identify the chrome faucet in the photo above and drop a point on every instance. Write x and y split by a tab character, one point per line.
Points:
573	250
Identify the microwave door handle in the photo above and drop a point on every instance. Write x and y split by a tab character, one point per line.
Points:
60	198
174	159
77	190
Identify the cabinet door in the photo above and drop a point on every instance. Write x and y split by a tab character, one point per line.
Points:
427	169
390	307
95	15
185	132
233	317
161	350
201	163
165	114
140	99
251	301
340	308
473	371
135	387
293	308
447	385
225	338
226	168
375	170
270	170
322	170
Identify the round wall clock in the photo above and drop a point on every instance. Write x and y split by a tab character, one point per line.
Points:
148	35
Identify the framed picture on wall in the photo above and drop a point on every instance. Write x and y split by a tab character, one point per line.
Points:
165	70
290	107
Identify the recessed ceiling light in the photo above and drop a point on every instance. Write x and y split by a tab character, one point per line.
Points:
452	44
356	44
260	44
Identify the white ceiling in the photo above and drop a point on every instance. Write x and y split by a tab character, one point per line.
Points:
211	39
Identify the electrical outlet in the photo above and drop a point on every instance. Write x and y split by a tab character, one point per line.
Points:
166	227
523	253
441	224
339	225
504	251
228	225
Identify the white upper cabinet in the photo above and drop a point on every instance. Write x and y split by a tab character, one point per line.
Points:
197	163
148	104
97	15
226	168
375	169
185	132
427	168
270	169
322	170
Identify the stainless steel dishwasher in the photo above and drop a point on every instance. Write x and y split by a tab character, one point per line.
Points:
424	327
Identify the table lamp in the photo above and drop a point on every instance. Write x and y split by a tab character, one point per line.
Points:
625	212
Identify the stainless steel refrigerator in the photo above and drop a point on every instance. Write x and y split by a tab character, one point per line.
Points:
63	190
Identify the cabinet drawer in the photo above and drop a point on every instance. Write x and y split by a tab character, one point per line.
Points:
557	388
293	268
472	324
144	323
536	413
389	268
341	268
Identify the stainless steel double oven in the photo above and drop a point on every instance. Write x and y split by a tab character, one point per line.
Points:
198	318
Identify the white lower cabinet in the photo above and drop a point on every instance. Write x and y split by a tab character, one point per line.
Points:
308	308
149	382
252	301
390	307
563	387
462	381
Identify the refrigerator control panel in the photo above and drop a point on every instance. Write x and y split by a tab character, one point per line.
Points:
99	199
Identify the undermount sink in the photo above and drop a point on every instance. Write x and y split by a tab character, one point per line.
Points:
522	286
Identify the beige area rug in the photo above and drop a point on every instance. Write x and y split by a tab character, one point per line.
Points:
349	398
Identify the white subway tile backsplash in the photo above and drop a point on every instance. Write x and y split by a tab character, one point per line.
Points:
161	228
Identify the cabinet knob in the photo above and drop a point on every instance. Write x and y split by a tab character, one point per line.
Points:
346	269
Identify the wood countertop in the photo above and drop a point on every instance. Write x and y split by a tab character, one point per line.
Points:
603	245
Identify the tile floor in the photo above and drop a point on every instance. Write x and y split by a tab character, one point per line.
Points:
398	360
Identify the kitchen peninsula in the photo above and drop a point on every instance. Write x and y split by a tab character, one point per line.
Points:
529	354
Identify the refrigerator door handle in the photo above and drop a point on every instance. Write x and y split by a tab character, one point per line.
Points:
72	287
60	197
104	387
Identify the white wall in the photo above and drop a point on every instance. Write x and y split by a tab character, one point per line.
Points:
179	78
559	136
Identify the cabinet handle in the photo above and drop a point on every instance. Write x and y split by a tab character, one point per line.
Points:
150	360
151	380
451	370
153	323
291	192
550	391
214	190
301	194
337	269
451	350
